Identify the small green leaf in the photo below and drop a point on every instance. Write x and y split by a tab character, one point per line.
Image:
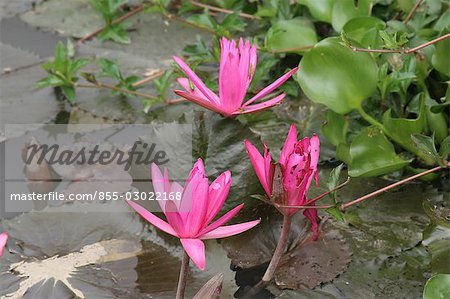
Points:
336	213
437	287
291	36
444	150
233	23
76	65
51	81
332	75
203	20
333	181
69	91
335	128
89	77
372	154
61	58
115	33
110	69
162	83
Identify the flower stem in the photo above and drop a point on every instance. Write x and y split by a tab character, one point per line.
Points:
281	247
183	276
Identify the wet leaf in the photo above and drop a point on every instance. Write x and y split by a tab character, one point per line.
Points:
347	84
437	286
372	154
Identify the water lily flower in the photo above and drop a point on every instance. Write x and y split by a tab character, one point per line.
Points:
237	68
287	182
189	219
3	240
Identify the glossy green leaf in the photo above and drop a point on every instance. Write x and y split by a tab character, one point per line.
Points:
290	35
364	30
49	81
440	59
69	91
444	150
437	287
335	128
331	74
403	128
321	10
345	10
437	123
372	154
343	153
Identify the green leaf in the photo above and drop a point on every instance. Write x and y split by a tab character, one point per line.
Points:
162	83
76	65
345	10
440	59
403	128
364	31
203	20
61	58
51	81
437	240
335	128
110	69
426	145
115	33
291	36
336	213
69	91
332	74
444	150
233	23
437	287
372	154
333	181
321	10
114	5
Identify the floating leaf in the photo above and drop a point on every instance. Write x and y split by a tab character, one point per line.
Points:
291	36
437	287
372	154
332	75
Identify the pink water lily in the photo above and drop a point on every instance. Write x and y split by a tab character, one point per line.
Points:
297	168
3	240
189	219
237	68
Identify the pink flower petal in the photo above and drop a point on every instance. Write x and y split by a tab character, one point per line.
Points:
198	100
195	248
260	106
229	230
288	146
3	240
156	221
231	88
271	87
212	97
259	166
218	192
159	184
315	152
222	220
195	220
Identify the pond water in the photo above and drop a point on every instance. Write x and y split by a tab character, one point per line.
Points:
386	248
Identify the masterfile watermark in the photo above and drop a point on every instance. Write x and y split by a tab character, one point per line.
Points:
60	165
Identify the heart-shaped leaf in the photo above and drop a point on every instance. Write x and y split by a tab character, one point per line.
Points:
364	30
345	10
331	74
321	10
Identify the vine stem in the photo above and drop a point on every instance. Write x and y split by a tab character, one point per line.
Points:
100	85
120	19
227	11
413	10
183	276
402	51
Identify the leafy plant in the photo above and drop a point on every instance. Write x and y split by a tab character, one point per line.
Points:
63	71
110	11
